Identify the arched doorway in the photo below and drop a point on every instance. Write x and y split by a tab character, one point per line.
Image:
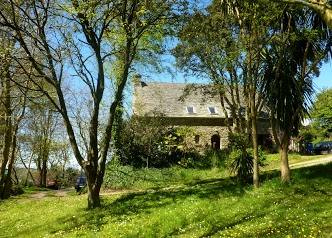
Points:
215	142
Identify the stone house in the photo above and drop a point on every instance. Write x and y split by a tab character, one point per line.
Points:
200	110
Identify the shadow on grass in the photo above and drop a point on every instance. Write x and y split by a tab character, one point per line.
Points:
317	171
137	203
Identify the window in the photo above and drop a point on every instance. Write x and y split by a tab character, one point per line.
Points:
212	110
190	110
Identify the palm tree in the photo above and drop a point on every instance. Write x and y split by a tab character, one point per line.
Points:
321	8
293	57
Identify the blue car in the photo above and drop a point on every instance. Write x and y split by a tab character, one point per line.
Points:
80	183
323	148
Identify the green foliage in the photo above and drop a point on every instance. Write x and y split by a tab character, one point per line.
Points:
321	115
150	142
140	143
242	165
242	162
288	91
242	156
211	158
128	177
237	140
119	177
211	208
17	190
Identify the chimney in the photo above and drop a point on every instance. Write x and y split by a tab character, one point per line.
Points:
137	79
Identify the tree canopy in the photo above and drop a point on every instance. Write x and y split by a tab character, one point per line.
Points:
321	115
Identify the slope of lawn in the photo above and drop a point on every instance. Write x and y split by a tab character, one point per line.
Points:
215	208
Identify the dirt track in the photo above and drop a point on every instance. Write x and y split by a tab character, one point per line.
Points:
311	162
52	193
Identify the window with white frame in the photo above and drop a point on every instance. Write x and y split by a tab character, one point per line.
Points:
190	109
212	110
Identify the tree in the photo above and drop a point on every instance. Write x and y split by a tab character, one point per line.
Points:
142	140
84	36
322	8
41	124
12	110
231	56
294	57
321	115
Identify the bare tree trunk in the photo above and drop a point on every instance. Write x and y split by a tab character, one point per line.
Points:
44	172
8	182
93	197
7	186
17	180
39	169
285	171
255	148
94	184
7	135
28	171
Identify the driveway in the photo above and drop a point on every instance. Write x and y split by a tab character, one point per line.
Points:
311	162
52	193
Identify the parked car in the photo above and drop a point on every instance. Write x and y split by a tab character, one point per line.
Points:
53	185
323	148
80	183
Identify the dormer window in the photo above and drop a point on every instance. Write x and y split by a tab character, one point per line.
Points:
212	110
190	110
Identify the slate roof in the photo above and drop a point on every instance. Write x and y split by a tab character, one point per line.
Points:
171	100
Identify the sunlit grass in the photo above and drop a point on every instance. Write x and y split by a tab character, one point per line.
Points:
220	208
273	160
127	177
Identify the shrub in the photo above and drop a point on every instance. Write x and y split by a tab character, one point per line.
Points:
242	156
17	190
211	158
119	177
243	162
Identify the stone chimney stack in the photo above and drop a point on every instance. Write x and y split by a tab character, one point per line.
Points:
137	85
137	80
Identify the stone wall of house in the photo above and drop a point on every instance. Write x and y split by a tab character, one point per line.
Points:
206	133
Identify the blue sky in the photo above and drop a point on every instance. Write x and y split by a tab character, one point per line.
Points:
323	81
325	78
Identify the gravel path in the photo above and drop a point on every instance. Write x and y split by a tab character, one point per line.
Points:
311	162
55	193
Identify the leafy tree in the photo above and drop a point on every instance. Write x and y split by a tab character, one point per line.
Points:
231	56
322	8
321	115
12	109
83	37
143	144
41	125
294	57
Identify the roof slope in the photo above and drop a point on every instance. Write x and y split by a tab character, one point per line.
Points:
172	99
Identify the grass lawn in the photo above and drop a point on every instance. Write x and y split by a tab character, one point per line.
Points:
210	208
273	160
